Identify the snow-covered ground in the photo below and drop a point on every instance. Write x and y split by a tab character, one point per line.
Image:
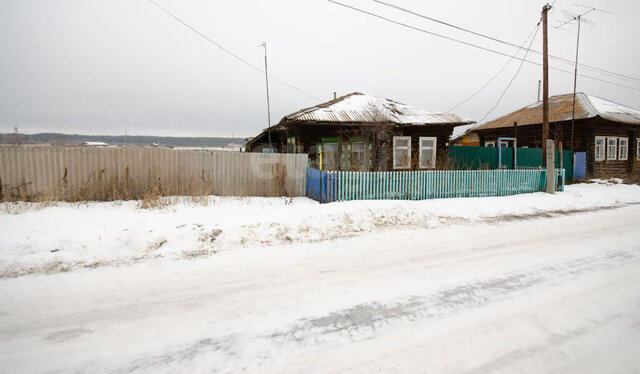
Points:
528	283
68	236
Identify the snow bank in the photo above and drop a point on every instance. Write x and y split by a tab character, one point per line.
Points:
83	235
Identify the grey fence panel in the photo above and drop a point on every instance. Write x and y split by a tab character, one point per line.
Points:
107	173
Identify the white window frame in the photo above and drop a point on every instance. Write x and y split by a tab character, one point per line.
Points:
363	152
432	164
612	147
600	150
396	147
490	143
637	149
504	144
623	156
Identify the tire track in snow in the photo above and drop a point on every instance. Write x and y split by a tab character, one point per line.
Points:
363	320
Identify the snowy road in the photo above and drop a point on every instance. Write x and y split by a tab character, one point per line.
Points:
534	294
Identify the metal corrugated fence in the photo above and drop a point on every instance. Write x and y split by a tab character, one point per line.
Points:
94	173
328	186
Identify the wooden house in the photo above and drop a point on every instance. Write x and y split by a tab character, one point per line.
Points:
362	132
608	133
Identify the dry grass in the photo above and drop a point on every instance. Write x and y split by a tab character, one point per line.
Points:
154	195
96	188
153	200
633	178
83	174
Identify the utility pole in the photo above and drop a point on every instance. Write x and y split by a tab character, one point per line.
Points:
575	78
266	77
580	18
545	84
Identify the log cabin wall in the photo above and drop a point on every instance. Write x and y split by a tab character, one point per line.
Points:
584	135
606	167
379	135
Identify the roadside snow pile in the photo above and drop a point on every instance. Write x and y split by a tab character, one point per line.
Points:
69	236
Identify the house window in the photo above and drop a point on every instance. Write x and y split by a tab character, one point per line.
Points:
291	145
428	152
330	156
638	149
504	144
600	142
612	148
623	148
359	156
401	152
490	144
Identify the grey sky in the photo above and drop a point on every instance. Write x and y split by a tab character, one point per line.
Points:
110	66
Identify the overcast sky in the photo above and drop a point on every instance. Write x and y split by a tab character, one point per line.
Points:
116	66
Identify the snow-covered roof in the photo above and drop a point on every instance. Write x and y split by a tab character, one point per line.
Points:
360	108
560	109
461	130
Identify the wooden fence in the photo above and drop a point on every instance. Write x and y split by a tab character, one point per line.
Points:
328	186
93	173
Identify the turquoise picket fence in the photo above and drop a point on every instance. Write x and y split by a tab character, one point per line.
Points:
328	186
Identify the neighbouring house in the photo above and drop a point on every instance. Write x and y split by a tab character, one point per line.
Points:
607	132
362	133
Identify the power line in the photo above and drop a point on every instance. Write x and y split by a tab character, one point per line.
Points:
593	68
514	76
471	44
534	30
230	52
445	23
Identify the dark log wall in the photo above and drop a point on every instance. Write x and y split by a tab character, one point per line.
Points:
441	132
379	134
607	168
584	135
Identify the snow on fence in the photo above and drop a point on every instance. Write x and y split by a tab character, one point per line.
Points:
328	186
91	173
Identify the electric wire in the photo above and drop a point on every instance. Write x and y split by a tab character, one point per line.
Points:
593	68
237	57
472	45
514	76
534	30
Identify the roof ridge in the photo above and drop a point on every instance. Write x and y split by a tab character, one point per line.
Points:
360	107
321	105
586	102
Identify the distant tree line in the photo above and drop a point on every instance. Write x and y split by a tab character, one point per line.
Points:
134	140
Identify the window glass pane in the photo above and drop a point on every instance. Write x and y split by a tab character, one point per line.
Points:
402	142
428	152
330	156
600	148
623	148
401	152
427	143
426	158
358	155
612	145
401	158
